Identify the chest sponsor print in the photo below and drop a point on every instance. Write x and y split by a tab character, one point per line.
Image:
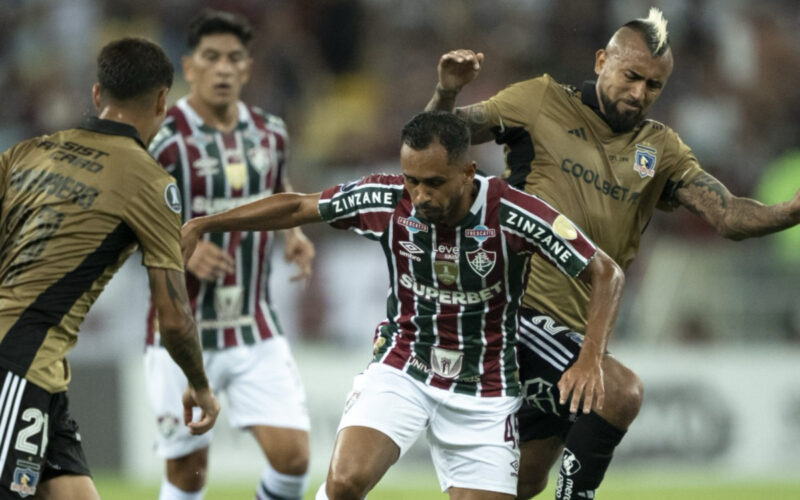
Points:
481	261
412	224
480	233
644	161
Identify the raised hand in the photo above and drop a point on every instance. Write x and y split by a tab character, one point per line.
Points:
458	67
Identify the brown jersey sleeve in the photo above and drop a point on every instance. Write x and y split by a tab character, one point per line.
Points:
518	104
682	168
154	215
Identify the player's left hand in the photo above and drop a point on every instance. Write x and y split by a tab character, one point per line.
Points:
209	409
298	248
584	380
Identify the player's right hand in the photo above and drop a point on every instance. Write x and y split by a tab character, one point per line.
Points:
459	67
209	409
209	262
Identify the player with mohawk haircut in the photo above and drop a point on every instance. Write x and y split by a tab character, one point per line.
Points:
653	30
590	152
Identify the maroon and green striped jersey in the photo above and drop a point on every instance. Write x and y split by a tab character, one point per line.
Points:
454	292
216	171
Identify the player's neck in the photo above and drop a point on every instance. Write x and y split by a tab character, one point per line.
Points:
223	118
128	117
462	208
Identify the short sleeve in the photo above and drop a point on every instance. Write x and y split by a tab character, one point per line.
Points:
682	168
517	105
154	215
364	206
532	225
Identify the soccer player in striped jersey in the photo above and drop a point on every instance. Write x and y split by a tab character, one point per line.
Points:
224	153
75	205
457	247
591	153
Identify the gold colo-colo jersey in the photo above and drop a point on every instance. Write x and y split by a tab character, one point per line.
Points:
75	204
559	147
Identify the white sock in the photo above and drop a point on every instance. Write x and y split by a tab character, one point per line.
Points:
321	495
277	486
171	492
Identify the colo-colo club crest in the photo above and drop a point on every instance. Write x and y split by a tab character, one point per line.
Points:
481	261
644	161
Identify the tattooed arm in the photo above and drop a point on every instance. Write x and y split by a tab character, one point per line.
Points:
456	69
736	217
179	335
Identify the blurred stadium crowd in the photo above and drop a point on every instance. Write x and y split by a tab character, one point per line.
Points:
346	74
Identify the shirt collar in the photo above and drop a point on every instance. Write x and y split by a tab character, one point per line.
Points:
111	127
589	96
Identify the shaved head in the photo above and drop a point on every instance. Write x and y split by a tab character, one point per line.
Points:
631	72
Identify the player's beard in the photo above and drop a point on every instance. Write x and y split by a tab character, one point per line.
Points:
620	122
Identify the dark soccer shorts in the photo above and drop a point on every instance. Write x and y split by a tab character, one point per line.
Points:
545	349
38	438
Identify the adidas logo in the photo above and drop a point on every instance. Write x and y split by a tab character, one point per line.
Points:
578	132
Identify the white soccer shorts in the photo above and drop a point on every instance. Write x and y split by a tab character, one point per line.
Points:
473	440
261	385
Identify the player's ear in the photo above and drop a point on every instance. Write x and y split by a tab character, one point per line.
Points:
161	101
96	96
248	69
600	58
186	65
469	170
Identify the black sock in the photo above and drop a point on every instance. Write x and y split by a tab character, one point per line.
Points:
587	452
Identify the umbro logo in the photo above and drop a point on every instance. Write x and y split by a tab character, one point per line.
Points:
578	132
410	247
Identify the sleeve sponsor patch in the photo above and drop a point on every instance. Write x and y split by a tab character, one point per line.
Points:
172	197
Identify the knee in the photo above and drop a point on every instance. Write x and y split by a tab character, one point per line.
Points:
530	487
294	464
631	395
188	473
346	484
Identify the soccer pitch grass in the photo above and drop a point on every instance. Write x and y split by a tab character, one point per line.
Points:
621	486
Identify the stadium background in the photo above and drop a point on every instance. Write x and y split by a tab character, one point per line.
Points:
712	326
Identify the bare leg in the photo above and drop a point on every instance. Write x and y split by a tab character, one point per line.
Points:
286	449
67	487
361	456
188	473
623	400
470	494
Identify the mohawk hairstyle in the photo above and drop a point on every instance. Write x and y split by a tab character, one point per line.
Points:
653	30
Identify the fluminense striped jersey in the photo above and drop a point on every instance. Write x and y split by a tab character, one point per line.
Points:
451	312
216	171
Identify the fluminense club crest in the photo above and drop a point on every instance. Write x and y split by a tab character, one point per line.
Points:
481	261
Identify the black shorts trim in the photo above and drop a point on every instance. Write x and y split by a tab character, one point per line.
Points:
546	348
38	438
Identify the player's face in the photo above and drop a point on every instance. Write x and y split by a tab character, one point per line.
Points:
629	80
217	70
441	192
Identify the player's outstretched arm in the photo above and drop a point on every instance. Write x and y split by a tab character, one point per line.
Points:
735	217
456	69
279	211
584	379
179	335
297	247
